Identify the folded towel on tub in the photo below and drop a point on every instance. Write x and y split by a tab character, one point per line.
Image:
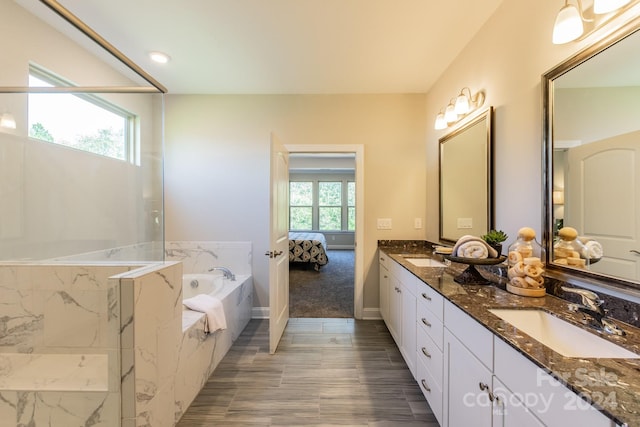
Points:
473	247
212	307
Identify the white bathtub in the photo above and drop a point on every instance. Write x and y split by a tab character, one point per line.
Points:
207	283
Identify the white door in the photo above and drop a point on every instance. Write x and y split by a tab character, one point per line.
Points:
278	252
602	200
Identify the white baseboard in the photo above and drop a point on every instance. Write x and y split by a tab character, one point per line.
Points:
371	314
260	312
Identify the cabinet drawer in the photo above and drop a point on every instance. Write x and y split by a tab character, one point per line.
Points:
384	259
431	391
430	355
548	399
431	299
430	324
477	338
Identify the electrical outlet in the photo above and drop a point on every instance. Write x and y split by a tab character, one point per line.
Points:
384	224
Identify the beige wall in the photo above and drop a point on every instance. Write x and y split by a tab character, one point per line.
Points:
217	166
506	59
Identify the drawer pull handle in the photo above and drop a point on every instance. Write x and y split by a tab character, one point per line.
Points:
426	353
425	296
425	386
425	322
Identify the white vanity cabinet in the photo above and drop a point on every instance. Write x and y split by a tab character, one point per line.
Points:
468	366
544	396
404	316
384	261
430	338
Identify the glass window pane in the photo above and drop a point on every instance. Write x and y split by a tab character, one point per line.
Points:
330	218
300	193
300	218
351	220
72	120
351	193
330	193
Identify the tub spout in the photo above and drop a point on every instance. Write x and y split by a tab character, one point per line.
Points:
226	272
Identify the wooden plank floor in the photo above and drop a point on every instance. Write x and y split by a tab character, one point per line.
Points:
326	372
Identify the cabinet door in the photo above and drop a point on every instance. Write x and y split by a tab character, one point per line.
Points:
384	292
409	330
395	310
468	387
508	410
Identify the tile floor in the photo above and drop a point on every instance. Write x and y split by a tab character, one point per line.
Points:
326	372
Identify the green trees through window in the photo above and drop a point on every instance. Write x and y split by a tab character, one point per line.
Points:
322	205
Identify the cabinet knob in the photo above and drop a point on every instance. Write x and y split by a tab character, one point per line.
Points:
426	353
426	322
425	296
425	386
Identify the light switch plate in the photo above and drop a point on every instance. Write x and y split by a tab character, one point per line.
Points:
465	223
417	223
384	224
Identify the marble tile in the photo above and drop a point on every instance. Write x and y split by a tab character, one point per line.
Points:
8	408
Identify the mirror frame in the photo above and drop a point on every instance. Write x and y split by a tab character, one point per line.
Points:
486	116
548	78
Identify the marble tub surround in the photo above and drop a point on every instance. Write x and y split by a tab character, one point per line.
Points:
59	344
201	256
612	384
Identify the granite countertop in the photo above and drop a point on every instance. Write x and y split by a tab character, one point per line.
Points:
617	381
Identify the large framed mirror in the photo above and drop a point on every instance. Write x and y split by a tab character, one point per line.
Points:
466	174
592	160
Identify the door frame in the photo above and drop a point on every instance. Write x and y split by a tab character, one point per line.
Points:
358	149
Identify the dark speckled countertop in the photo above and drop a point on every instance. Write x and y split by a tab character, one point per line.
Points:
623	375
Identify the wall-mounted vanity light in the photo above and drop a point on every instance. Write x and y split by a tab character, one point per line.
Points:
459	107
558	197
7	121
570	20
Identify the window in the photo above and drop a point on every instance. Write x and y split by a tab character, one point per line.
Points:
82	121
322	204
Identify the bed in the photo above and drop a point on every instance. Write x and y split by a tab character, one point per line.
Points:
309	248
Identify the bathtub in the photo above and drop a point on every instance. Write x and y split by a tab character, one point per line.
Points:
207	283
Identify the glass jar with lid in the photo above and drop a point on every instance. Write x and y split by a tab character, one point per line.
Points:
569	250
525	265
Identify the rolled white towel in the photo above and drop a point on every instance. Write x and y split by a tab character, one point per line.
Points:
212	307
592	248
469	246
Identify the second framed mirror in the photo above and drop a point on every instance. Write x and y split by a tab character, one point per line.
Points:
466	178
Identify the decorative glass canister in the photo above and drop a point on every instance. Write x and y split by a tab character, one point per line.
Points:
525	265
569	250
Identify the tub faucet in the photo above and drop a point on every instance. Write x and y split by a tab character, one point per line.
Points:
592	306
226	272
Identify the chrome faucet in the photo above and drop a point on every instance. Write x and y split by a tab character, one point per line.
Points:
592	306
226	272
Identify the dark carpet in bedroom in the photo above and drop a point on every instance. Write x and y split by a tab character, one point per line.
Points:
324	293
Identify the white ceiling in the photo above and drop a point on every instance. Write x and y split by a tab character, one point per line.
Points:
290	46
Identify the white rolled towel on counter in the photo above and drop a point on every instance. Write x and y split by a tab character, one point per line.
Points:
592	248
473	247
212	307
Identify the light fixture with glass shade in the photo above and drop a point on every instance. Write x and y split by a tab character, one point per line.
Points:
569	24
606	6
459	107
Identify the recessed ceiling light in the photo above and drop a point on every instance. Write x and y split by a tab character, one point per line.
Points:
159	57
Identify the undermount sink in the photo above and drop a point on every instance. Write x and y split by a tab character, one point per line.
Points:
561	336
425	262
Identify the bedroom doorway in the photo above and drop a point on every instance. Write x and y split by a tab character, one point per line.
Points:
327	192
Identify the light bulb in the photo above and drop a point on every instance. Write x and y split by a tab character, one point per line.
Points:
441	123
450	114
462	104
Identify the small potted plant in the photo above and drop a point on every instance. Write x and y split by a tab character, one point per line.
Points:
494	238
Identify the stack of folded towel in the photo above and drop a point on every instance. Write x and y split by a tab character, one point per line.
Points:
473	247
212	307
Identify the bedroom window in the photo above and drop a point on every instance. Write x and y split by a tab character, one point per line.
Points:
322	205
301	205
78	120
